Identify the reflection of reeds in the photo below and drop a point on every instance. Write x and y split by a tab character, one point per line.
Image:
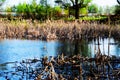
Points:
71	68
55	30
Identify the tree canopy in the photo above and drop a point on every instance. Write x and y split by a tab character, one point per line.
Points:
117	9
76	5
93	8
39	11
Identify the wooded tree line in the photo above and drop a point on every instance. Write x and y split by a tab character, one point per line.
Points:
63	8
34	10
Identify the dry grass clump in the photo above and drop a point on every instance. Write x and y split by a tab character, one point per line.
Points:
55	29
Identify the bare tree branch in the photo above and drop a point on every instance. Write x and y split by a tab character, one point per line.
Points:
118	1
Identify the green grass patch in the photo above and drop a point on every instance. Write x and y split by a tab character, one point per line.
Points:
87	18
94	18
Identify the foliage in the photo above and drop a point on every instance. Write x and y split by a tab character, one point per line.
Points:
70	18
100	10
112	10
117	9
107	10
77	5
93	18
66	11
83	11
21	8
31	10
2	0
92	8
57	11
38	11
87	18
8	9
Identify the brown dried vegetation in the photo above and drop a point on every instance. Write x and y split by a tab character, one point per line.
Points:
26	29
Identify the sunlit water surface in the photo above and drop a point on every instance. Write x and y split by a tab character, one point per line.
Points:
12	50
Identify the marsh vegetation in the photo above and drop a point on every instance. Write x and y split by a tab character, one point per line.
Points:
26	29
74	40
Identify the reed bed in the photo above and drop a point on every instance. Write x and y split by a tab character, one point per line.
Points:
27	29
101	67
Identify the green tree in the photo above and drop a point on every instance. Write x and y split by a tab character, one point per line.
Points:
49	12
47	7
107	10
57	11
8	9
93	8
117	9
21	8
100	10
77	4
41	12
112	10
83	11
34	10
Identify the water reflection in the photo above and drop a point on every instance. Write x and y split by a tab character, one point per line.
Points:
17	50
74	47
114	48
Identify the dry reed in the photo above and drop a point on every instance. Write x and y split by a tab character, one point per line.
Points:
26	29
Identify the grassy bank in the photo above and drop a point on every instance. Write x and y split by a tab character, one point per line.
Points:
27	29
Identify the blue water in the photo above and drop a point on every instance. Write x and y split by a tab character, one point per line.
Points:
114	47
15	50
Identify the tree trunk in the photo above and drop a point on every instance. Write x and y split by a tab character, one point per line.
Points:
76	9
69	12
77	13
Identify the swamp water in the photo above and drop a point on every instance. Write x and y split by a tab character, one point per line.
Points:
13	51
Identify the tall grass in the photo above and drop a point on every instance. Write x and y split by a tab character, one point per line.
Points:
58	29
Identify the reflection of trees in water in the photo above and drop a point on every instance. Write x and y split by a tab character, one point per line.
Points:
74	47
117	48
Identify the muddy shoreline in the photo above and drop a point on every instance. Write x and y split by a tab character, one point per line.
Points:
51	30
